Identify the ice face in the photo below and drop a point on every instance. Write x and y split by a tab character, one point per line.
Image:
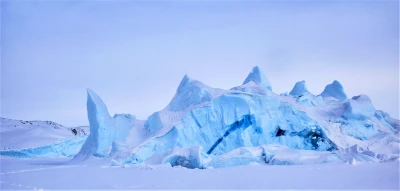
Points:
334	90
258	78
102	128
237	120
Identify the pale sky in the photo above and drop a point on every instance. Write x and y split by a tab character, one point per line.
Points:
133	54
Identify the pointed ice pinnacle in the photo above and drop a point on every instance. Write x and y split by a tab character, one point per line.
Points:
102	128
334	90
189	92
299	89
258	77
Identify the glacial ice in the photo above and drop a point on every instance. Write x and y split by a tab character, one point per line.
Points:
102	128
334	90
258	78
359	107
207	127
206	123
299	89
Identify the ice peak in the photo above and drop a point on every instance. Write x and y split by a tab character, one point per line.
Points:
94	100
258	77
186	80
299	89
101	127
190	92
335	89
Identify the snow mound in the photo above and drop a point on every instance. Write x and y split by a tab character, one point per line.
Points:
334	90
20	134
258	78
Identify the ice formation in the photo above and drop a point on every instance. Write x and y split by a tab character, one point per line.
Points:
258	78
359	107
205	127
299	89
334	90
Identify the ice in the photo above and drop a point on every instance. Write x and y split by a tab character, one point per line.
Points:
192	157
258	78
334	90
109	135
64	148
102	128
299	89
205	127
359	107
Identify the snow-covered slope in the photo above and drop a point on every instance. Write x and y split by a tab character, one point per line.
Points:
20	138
205	127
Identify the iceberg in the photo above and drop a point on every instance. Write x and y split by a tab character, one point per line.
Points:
205	127
207	124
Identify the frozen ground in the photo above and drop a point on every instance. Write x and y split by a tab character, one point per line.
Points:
28	174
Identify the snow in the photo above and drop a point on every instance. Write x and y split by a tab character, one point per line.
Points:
19	134
54	174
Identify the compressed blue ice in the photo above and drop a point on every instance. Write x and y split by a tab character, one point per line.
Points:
207	127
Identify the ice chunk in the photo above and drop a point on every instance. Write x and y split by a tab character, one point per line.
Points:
299	89
359	107
334	90
240	156
258	77
191	157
